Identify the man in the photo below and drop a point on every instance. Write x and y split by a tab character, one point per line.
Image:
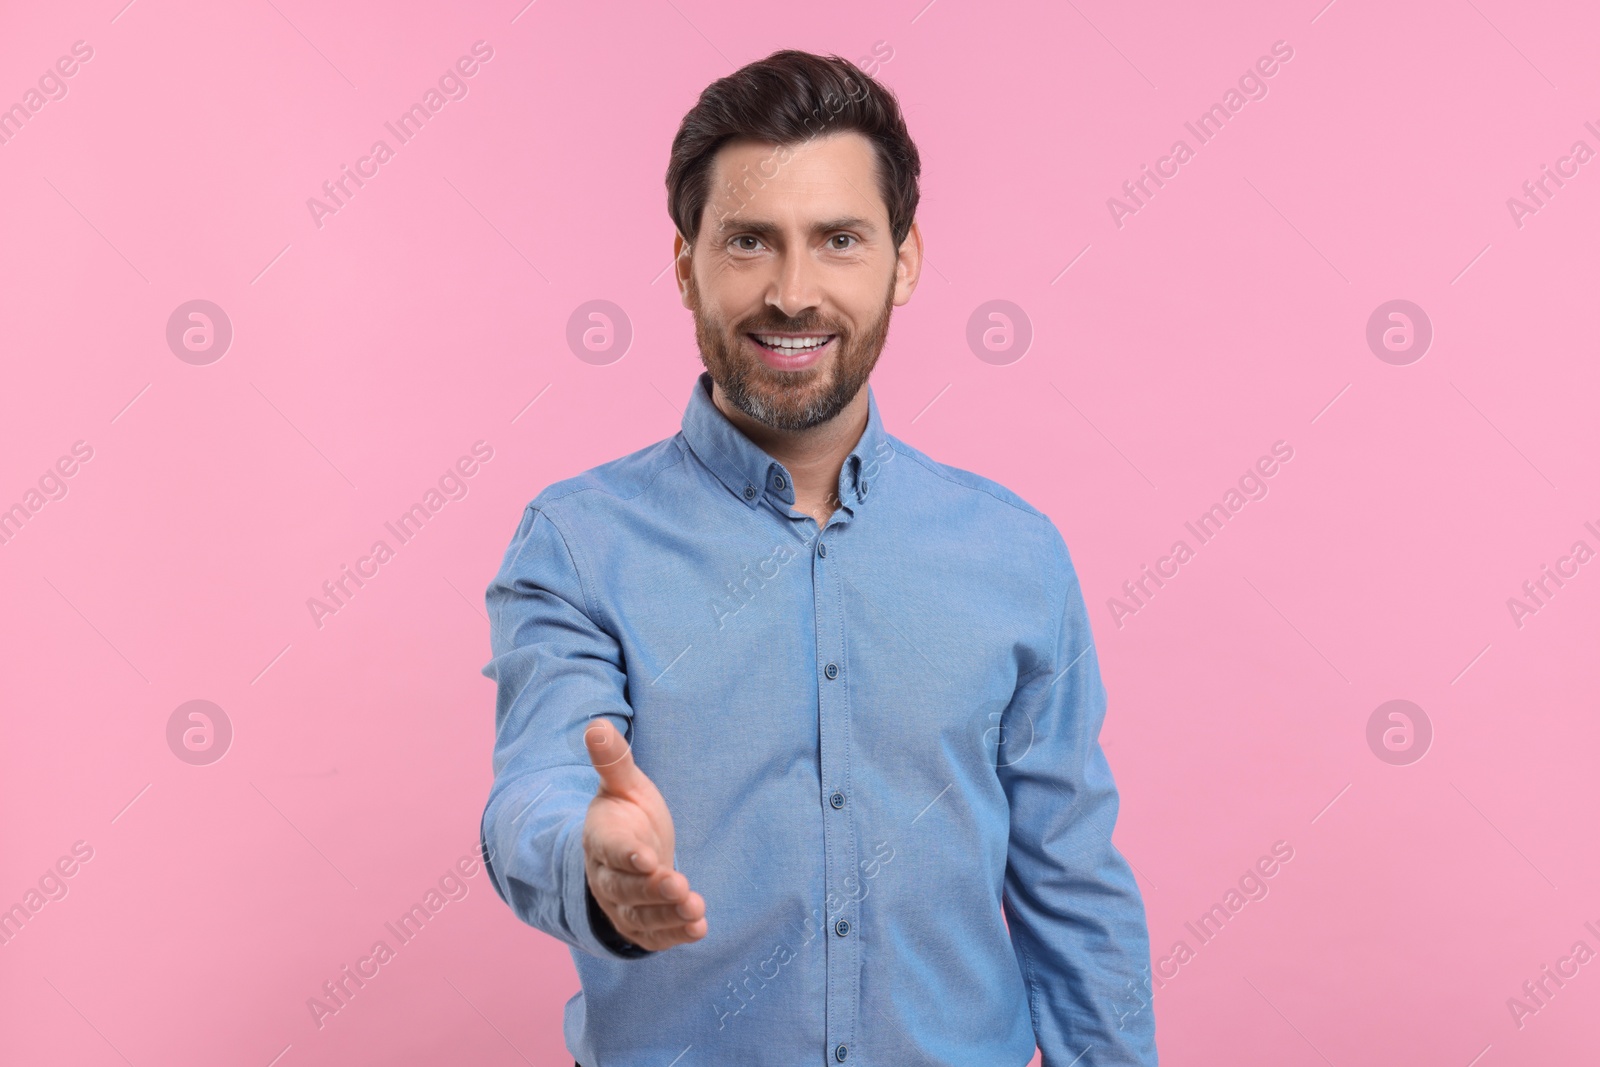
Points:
797	729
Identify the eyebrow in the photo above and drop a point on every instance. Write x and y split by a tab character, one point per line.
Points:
767	229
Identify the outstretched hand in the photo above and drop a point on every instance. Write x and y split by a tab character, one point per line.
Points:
628	850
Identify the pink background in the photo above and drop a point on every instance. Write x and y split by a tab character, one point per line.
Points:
369	354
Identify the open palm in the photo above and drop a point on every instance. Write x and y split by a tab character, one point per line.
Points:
628	846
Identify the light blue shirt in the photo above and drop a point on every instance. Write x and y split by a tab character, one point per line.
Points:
879	744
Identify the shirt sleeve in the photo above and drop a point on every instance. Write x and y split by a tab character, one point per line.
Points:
555	670
1075	913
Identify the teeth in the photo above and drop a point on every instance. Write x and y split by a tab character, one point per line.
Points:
794	344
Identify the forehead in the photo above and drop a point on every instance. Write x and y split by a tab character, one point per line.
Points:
823	176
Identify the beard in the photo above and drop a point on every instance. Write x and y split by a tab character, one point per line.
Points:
788	400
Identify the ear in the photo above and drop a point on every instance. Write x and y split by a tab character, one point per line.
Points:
908	265
682	264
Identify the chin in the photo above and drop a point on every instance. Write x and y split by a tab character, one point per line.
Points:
789	381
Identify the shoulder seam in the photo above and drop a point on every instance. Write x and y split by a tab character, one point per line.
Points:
1069	579
583	583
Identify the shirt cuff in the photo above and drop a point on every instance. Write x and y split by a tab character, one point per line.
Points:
590	925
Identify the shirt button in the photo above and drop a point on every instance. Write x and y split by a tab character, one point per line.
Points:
840	1052
837	800
822	550
863	489
841	927
779	482
749	492
831	670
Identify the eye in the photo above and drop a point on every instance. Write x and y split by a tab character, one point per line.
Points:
746	237
847	236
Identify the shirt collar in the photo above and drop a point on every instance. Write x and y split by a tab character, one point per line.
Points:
749	473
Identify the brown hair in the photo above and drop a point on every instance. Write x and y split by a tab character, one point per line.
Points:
785	99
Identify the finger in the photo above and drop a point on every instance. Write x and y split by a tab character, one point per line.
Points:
622	852
656	917
612	757
623	887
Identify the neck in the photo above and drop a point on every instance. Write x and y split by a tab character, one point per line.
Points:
814	457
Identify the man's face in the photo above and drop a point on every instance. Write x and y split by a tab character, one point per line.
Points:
794	250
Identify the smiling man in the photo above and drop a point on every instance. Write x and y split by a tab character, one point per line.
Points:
797	730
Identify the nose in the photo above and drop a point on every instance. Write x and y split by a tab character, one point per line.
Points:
797	285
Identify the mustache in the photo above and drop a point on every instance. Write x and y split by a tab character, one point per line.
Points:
789	327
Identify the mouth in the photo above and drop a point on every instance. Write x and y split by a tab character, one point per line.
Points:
791	351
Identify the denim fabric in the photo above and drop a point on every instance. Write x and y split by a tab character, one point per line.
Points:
878	741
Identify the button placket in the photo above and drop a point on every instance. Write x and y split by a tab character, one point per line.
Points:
840	904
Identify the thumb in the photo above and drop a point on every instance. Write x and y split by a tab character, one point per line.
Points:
612	757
